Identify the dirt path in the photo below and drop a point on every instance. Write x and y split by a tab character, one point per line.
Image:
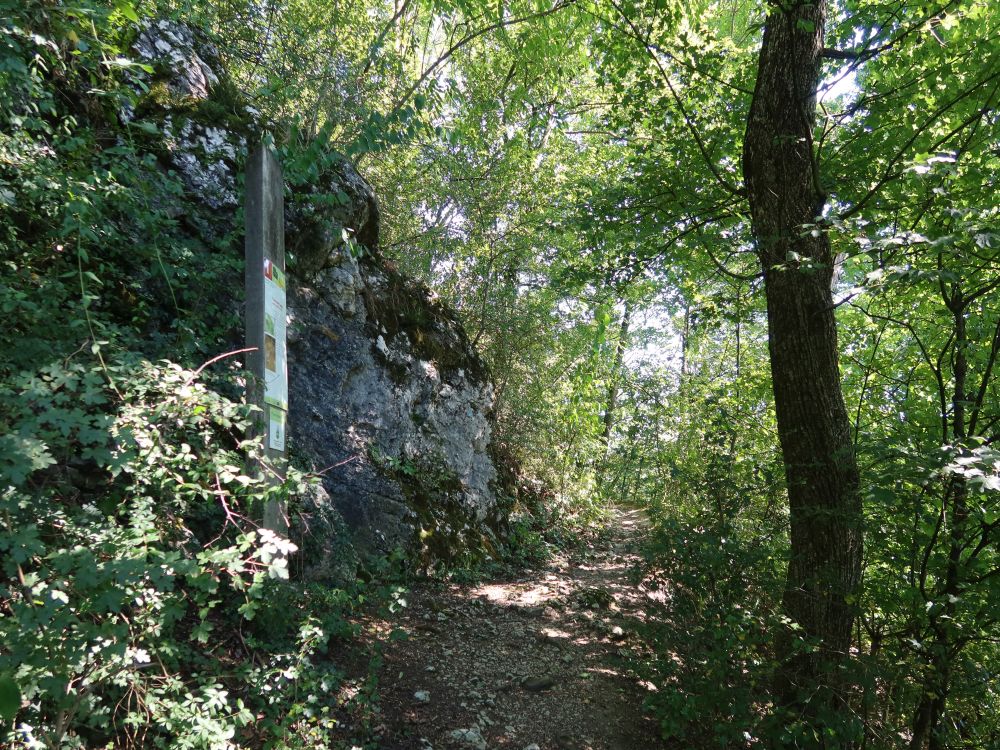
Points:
531	663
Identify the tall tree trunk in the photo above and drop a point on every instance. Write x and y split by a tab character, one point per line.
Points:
820	468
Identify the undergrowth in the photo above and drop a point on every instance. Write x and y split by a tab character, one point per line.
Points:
160	614
140	604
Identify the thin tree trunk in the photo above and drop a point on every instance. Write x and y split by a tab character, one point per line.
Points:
813	427
616	368
930	710
685	343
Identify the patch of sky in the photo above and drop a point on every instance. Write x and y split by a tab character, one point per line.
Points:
842	86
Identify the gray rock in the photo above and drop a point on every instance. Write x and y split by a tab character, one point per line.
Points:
205	157
422	696
388	400
329	215
342	284
324	542
538	684
189	62
409	408
468	738
204	154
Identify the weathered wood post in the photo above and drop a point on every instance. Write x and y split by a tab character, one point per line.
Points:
267	369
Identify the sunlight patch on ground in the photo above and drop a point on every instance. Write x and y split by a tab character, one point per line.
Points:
658	595
556	634
606	671
561	638
348	692
500	594
634	519
603	566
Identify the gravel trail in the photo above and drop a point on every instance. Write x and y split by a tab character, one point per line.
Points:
534	662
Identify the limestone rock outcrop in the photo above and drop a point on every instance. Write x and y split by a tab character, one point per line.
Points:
337	210
203	140
385	388
186	62
389	403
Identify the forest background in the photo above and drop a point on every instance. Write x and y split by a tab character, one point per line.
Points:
658	221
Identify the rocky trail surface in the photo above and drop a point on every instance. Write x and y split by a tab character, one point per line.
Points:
534	662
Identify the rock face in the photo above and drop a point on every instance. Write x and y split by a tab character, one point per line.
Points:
384	383
335	211
201	137
185	60
388	400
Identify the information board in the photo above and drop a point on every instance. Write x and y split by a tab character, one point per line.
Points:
266	316
275	357
275	428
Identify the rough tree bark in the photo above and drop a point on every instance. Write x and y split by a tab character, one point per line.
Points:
785	197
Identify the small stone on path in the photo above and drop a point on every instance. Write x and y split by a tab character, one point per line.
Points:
469	738
538	684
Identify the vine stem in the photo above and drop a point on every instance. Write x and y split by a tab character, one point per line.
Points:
215	359
95	347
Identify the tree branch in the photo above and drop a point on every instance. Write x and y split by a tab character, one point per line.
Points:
456	46
651	49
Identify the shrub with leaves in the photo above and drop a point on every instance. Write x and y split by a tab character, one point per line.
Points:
709	646
130	559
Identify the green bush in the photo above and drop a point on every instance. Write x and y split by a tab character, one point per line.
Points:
129	556
710	644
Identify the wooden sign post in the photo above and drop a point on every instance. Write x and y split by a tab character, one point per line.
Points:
267	381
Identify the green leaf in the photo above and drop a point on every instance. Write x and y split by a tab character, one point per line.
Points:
10	698
398	634
21	455
125	8
146	127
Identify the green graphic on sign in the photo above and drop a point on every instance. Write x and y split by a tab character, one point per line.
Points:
276	428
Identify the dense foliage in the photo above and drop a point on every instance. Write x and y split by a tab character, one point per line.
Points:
566	175
140	604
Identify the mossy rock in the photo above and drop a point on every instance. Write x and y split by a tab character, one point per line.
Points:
435	333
